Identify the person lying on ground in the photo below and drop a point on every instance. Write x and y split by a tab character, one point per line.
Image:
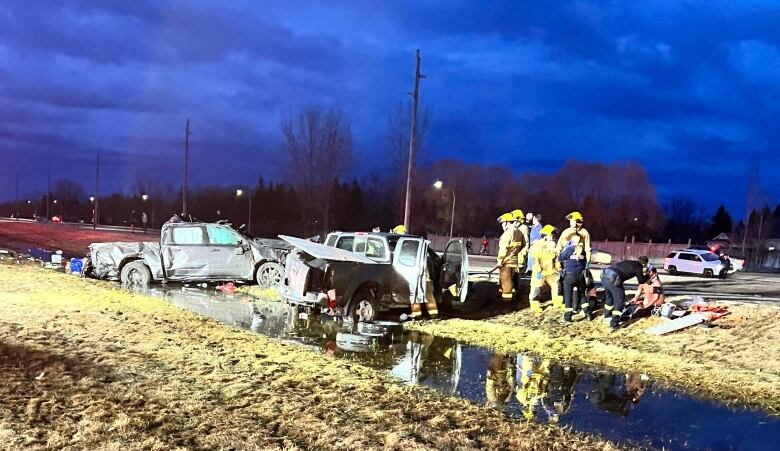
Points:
648	296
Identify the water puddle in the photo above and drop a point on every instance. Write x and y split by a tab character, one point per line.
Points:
617	406
37	253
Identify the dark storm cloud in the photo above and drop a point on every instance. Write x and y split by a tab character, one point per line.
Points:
675	85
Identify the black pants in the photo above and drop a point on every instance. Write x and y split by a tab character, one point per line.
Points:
572	280
615	296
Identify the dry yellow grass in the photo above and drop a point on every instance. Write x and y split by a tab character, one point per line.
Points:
736	362
85	365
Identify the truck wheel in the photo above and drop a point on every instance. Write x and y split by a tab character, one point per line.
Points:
269	274
672	270
135	273
363	307
708	273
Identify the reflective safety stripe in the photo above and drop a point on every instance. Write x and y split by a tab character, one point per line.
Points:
617	313
568	309
507	295
607	307
585	304
433	312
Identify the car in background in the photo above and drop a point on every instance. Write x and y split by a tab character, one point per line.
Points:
696	261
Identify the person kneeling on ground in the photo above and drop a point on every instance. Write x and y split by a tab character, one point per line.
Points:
648	296
613	279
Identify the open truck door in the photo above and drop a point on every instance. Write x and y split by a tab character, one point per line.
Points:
454	276
409	264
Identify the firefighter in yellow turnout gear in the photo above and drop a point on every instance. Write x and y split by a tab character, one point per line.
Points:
521	242
545	270
507	256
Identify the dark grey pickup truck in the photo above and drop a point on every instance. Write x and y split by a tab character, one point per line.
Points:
191	252
361	275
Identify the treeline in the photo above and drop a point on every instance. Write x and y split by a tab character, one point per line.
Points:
617	200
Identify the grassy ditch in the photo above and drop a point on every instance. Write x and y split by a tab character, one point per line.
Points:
736	362
85	365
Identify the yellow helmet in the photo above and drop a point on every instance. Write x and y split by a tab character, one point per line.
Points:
574	216
399	229
506	217
547	230
518	215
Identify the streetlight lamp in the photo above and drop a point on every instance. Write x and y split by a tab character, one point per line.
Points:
438	184
62	213
94	216
145	197
239	193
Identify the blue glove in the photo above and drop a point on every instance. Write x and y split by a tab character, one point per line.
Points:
539	276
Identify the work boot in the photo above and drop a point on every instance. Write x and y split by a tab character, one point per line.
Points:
567	317
614	322
607	311
557	302
536	307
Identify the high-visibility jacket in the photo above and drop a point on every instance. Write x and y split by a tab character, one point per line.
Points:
584	240
507	253
545	258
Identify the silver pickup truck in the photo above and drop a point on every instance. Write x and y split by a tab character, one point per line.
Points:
191	252
360	275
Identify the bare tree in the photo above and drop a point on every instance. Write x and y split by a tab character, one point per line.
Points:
318	147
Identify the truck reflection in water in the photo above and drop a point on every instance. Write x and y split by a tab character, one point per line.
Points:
622	407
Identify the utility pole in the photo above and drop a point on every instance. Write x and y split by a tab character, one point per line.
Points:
97	191
186	168
412	144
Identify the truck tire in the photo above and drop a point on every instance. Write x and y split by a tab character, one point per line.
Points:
135	273
364	307
269	274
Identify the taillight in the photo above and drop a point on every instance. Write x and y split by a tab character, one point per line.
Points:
332	299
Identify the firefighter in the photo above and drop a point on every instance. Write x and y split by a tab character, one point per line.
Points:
521	243
573	260
399	230
507	256
583	236
613	279
545	270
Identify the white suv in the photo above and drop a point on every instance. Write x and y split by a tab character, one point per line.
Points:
695	261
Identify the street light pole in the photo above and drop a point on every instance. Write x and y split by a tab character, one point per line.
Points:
439	185
239	193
